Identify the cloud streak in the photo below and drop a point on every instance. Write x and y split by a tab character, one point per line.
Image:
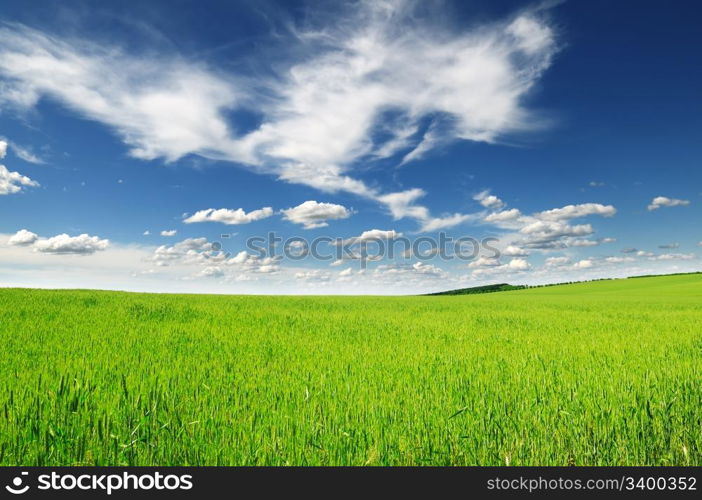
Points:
378	67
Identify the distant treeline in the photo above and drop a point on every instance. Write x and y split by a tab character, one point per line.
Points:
503	287
671	274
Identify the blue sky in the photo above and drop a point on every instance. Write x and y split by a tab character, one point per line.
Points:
134	135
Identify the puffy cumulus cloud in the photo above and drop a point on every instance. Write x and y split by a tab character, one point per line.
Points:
190	250
548	229
201	252
373	235
494	268
253	263
515	251
548	234
169	232
510	215
489	201
556	261
13	182
484	262
82	244
3	149
229	216
518	264
576	211
664	201
323	103
312	214
410	272
583	264
23	238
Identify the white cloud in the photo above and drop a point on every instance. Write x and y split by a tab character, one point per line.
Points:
583	264
312	214
160	106
510	215
618	260
402	204
489	200
169	232
575	211
246	262
583	242
314	275
486	267
373	235
346	272
23	238
409	273
557	261
187	251
13	182
229	216
664	201
146	233
325	101
21	152
82	244
518	264
515	251
546	234
673	256
437	223
210	272
484	262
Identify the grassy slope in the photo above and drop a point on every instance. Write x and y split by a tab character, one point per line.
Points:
593	373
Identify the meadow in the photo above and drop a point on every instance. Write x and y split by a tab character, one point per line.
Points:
602	373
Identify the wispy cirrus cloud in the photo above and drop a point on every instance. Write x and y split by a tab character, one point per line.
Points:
325	101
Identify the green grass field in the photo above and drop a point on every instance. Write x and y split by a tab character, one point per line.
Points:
597	373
